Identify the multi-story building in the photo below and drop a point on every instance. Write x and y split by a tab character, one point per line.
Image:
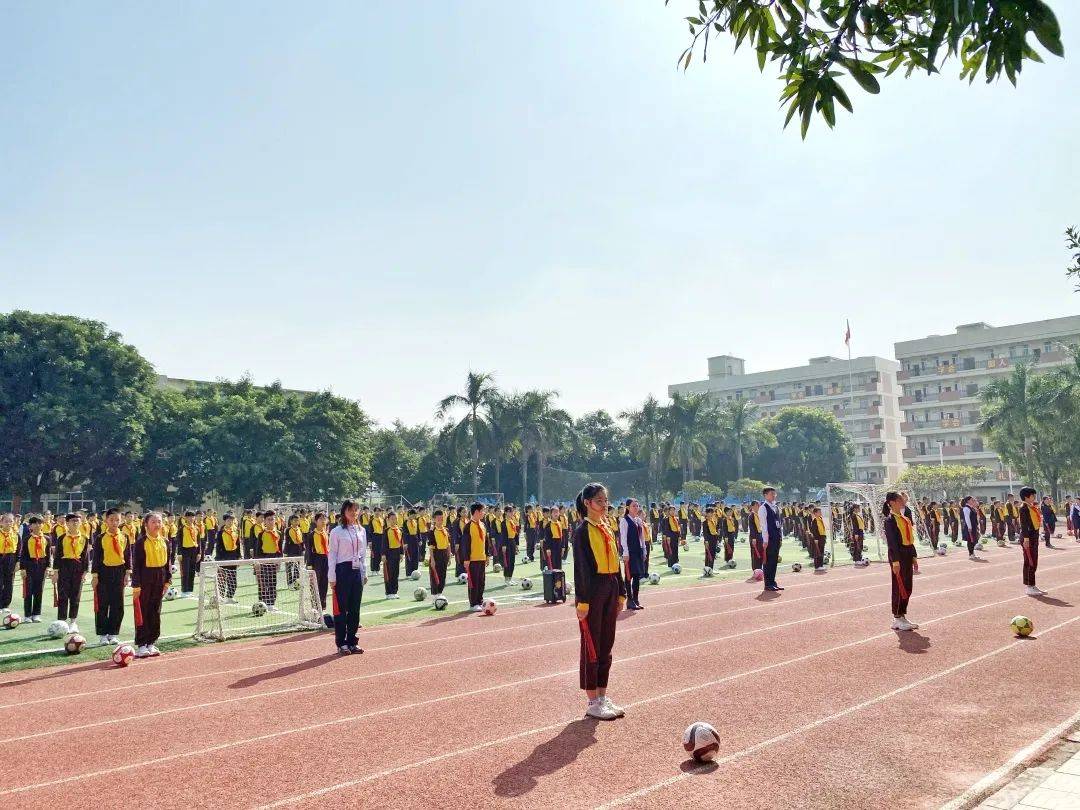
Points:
861	393
942	375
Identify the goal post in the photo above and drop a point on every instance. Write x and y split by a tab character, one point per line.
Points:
870	498
238	598
291	507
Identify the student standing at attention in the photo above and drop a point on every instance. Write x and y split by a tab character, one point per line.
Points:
900	538
772	533
474	541
1030	520
346	561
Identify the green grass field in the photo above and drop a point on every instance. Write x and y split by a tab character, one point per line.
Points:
29	645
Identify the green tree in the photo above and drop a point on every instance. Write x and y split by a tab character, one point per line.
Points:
698	491
645	435
689	419
1008	411
815	42
479	389
74	403
1072	242
811	450
937	481
600	444
745	489
394	464
500	436
741	432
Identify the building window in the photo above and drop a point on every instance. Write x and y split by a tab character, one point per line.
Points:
818	391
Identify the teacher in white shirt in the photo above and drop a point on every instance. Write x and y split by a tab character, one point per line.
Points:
346	570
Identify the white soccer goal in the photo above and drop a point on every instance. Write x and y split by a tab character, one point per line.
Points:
253	597
871	499
290	507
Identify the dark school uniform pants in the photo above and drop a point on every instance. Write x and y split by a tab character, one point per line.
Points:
412	556
603	613
710	553
33	584
476	571
7	578
756	557
109	598
857	540
772	554
440	560
905	579
391	570
530	543
292	569
1010	525
348	593
377	541
266	574
69	580
151	589
729	548
320	567
188	557
1031	561
226	579
508	557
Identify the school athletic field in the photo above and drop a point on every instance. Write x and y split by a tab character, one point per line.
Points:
30	646
808	688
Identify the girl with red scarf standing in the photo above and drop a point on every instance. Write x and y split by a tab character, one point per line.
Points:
150	578
900	537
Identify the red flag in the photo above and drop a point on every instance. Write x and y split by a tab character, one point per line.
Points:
847	334
55	597
590	648
337	608
94	589
136	605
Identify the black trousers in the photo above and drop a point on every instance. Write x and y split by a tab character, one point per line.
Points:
530	543
772	554
7	578
476	571
1031	561
412	555
377	541
188	559
710	552
319	566
508	556
633	588
151	589
603	612
266	575
729	548
69	580
817	548
440	560
671	550
32	587
109	597
857	546
226	582
348	593
391	570
905	579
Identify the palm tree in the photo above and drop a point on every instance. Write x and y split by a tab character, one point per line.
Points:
1007	418
479	390
500	435
740	431
646	430
689	419
544	430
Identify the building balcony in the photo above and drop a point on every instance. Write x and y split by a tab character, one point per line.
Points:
875	458
954	450
875	433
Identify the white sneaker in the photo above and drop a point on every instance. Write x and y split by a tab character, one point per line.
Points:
599	709
104	641
73	627
1041	591
896	625
1031	590
903	624
972	557
154	651
511	582
910	624
142	652
476	608
618	710
114	639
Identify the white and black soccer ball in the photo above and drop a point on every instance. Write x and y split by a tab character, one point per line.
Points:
171	594
258	609
524	559
463	578
58	629
414	576
706	571
654	578
526	584
796	568
942	549
731	563
676	569
701	741
174	568
439	603
490	607
497	568
420	594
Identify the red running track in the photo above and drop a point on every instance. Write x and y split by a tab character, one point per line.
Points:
817	703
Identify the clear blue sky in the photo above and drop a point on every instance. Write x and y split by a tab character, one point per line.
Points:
377	197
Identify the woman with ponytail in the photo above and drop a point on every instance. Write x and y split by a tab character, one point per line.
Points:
900	537
599	591
150	578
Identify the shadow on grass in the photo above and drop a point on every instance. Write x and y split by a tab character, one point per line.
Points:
547	758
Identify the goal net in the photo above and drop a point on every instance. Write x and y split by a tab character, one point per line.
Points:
488	499
841	497
563	486
251	597
291	507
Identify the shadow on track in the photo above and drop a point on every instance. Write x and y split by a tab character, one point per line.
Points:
283	672
912	642
61	673
547	758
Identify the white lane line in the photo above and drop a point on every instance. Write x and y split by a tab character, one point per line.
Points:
489	689
821	721
653	699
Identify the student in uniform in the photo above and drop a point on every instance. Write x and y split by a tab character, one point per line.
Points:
248	526
817	540
757	545
346	559
150	578
900	539
189	544
34	562
633	538
997	521
710	530
268	546
316	545
457	523
599	593
551	554
858	532
475	542
226	547
438	553
294	547
772	535
1049	519
1012	517
508	540
9	559
392	551
672	531
411	532
69	567
969	524
731	533
110	569
1029	519
1074	513
532	532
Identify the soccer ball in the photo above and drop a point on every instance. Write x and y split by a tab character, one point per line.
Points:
497	568
420	594
779	559
174	568
654	578
11	621
171	594
74	645
440	602
1022	626
827	556
731	563
759	575
490	607
295	585
123	654
706	571
796	568
524	559
463	578
942	549
258	609
863	563
58	629
526	584
701	741
676	569
414	576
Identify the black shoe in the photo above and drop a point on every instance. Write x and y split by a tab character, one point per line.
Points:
639	606
356	650
773	588
631	605
344	651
